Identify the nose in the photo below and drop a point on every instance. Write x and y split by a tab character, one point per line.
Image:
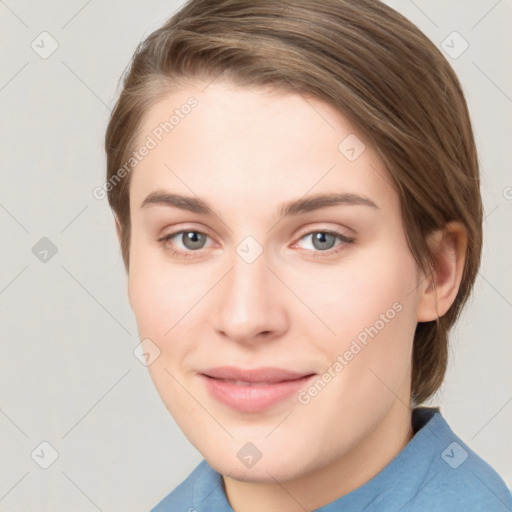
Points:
250	303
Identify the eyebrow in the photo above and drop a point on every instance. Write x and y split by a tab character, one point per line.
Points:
290	208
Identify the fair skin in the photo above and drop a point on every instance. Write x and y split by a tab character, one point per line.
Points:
298	306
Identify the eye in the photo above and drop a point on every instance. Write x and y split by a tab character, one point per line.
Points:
191	240
324	241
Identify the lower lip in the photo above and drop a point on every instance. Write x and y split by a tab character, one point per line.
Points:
253	398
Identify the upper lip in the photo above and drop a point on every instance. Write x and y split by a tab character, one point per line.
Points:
263	374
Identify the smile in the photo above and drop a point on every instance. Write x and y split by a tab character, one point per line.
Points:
253	390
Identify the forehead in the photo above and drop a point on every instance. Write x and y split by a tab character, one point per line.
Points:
254	146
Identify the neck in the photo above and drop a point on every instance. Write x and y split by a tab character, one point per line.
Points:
322	486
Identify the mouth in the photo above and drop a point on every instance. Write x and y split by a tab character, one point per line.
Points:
253	390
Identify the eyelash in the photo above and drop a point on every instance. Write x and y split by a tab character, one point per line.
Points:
316	254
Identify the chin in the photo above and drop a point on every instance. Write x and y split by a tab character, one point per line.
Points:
259	473
277	466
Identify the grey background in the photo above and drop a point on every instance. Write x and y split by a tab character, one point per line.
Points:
67	372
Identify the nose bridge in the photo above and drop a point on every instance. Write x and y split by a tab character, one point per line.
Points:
249	300
247	283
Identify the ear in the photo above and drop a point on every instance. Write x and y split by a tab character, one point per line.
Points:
439	289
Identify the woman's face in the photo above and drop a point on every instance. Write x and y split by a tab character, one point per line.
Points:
280	331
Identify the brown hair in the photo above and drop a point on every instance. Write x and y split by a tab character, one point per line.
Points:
364	59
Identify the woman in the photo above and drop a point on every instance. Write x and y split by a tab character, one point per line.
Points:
296	193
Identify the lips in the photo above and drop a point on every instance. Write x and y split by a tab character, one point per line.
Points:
253	390
255	375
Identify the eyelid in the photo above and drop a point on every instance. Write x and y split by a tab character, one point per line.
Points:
331	252
302	233
180	231
343	240
180	228
319	227
332	232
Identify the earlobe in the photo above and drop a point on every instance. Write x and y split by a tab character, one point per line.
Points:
439	289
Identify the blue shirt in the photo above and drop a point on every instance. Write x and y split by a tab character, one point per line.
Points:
435	471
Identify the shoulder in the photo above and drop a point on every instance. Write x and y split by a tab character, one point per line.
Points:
458	479
184	496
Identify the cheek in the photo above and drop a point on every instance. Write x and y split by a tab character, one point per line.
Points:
160	309
377	324
371	307
158	295
160	304
364	288
146	299
166	301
